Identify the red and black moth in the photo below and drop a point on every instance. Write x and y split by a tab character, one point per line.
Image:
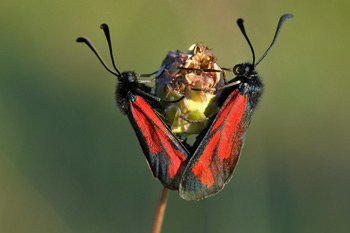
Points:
201	170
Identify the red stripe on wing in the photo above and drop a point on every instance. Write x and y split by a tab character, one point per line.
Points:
216	157
228	127
147	127
201	168
165	154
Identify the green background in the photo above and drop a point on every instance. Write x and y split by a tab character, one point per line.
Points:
70	162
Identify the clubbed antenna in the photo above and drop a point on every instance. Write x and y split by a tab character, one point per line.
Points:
279	27
92	47
105	28
241	26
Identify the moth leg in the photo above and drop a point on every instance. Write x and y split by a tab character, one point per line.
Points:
219	88
197	69
148	75
145	94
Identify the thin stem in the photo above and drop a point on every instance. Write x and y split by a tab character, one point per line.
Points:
158	218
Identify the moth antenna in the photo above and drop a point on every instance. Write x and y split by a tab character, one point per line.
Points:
105	29
197	69
279	27
227	69
92	47
241	26
141	92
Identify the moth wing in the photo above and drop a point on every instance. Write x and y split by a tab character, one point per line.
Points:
166	156
216	157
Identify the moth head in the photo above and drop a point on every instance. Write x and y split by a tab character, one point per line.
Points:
128	76
246	70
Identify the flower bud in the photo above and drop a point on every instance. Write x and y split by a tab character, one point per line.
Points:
178	76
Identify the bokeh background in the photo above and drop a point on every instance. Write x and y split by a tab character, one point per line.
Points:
71	163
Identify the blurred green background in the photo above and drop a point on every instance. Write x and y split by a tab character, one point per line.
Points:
70	162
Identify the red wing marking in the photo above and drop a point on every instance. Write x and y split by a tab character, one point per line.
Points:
200	168
229	127
214	160
164	149
147	128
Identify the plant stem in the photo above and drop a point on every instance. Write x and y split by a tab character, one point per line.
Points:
158	218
